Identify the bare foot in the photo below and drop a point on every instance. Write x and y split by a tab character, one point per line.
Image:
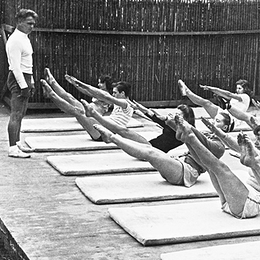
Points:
254	121
105	133
72	80
184	131
183	88
170	121
46	88
48	76
89	110
248	152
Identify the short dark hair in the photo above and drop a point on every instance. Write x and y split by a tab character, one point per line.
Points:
245	85
108	81
230	123
188	113
22	14
123	86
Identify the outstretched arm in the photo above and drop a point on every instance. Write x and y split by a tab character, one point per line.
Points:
95	92
222	92
227	139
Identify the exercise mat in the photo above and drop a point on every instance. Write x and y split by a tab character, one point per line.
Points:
76	142
185	222
61	124
140	188
241	251
98	163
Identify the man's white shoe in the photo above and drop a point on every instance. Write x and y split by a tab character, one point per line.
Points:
24	148
15	152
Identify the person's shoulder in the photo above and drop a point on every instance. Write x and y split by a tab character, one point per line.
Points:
244	96
13	39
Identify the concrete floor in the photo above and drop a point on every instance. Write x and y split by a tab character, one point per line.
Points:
49	218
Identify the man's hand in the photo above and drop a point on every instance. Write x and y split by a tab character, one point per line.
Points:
25	92
32	90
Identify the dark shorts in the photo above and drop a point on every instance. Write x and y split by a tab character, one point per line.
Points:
18	103
13	85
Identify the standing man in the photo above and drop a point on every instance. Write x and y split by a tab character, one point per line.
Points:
20	80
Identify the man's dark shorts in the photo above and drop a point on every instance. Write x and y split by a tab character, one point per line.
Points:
13	86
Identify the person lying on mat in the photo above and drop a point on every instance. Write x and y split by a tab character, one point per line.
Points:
165	141
121	113
240	99
178	170
238	198
251	120
214	111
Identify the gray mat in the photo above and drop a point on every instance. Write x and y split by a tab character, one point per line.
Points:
60	124
98	163
185	222
241	251
140	188
79	142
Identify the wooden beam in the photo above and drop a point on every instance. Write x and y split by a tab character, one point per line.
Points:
138	33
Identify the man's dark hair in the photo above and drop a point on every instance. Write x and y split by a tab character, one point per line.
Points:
24	13
123	86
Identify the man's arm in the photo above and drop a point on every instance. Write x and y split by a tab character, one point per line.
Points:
96	92
221	92
227	139
14	58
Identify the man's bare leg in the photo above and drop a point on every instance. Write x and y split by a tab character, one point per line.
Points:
169	168
226	183
211	108
112	126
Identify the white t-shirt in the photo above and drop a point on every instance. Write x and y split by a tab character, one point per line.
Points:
19	53
121	116
242	105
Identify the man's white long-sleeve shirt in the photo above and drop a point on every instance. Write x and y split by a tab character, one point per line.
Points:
19	53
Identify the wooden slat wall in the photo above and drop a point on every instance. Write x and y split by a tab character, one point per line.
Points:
145	48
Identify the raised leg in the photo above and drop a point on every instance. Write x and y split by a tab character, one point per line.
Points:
112	126
249	155
211	108
169	168
59	90
226	183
